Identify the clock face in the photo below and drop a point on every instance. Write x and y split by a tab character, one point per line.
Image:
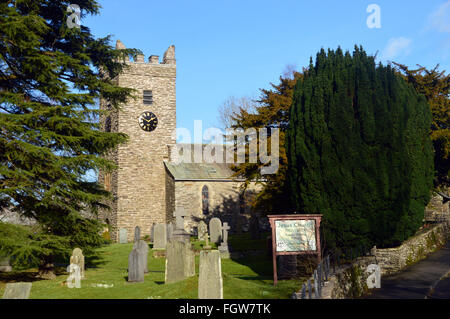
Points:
148	121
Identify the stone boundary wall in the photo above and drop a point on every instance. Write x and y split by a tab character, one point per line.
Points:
392	260
350	281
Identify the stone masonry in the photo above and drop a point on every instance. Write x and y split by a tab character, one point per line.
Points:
139	184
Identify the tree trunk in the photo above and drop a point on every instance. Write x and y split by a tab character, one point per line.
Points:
47	269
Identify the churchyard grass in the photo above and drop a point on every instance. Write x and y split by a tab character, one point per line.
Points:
249	277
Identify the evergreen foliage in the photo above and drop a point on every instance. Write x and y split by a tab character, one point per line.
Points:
359	150
51	78
435	86
271	111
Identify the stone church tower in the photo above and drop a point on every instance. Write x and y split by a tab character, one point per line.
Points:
139	184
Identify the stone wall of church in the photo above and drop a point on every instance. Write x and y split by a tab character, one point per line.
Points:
224	202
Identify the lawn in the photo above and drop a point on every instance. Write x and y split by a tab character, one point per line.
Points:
246	278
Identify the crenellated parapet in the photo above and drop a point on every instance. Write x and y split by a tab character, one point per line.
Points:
168	58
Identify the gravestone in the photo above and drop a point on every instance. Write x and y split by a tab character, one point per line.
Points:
123	236
180	261
74	279
142	247
135	266
210	284
202	230
5	265
152	233
78	259
207	245
137	234
160	236
180	233
169	231
215	230
223	248
17	290
179	218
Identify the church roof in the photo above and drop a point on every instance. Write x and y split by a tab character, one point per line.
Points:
201	171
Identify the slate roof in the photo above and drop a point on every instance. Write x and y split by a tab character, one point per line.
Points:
201	171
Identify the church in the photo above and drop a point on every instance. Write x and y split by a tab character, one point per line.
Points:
149	184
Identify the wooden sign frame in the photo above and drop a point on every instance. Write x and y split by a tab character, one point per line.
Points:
273	218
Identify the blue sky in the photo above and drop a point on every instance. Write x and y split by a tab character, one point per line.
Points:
234	48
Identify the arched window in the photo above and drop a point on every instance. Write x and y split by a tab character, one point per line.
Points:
205	200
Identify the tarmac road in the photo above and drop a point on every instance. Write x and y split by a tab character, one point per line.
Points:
424	280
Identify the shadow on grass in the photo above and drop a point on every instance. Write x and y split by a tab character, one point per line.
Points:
20	276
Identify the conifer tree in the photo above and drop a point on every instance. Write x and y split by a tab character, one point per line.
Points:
358	150
51	78
435	86
271	111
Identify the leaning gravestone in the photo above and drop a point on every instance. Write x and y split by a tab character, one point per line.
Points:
160	236
78	259
215	230
135	266
123	236
210	284
17	290
180	261
202	230
5	265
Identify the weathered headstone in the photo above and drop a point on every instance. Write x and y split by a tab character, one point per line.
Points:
123	236
179	218
160	236
169	231
223	248
152	233
180	261
137	234
207	245
135	266
74	279
180	234
210	284
17	290
78	259
5	265
215	230
202	230
142	247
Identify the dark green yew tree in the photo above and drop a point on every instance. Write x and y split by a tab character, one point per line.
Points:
359	150
51	78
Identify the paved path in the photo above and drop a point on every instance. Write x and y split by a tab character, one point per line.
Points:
416	281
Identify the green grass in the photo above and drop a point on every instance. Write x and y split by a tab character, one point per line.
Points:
243	278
